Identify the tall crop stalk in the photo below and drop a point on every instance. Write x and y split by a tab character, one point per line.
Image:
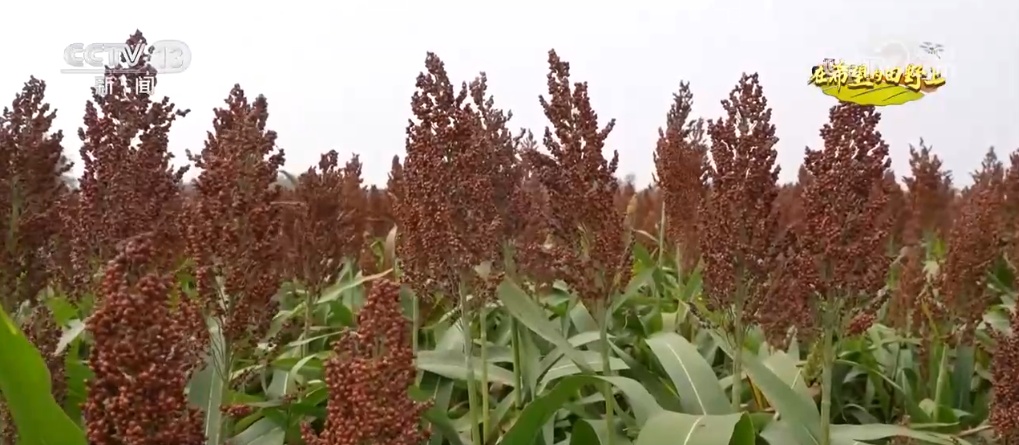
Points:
468	339
604	314
828	362
484	372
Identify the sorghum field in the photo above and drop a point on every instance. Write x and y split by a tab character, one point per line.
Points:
502	288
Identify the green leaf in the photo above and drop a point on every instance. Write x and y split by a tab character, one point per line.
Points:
531	315
537	413
263	432
668	428
962	376
27	391
855	434
563	367
453	365
695	381
205	390
803	418
339	290
594	432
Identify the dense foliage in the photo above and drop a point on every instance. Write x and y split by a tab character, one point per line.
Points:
499	289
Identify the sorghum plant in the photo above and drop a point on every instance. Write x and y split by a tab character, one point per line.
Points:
592	238
738	224
31	165
841	249
581	186
1004	415
929	198
369	375
146	342
682	166
235	220
126	188
975	243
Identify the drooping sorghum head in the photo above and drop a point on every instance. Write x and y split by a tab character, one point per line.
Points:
369	376
739	224
31	166
325	220
841	248
127	187
234	219
682	166
974	242
581	185
146	342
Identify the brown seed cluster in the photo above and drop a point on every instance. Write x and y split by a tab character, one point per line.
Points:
841	249
739	227
455	187
1004	415
975	242
683	169
31	165
235	220
146	343
127	188
369	376
592	237
325	220
930	194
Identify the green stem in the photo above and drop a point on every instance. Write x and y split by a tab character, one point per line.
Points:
484	374
826	383
607	371
737	361
472	398
518	371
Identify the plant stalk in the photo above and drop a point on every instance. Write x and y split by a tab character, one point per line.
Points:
483	322
606	388
518	374
737	360
826	382
472	397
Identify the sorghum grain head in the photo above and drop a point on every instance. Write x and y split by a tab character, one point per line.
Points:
145	346
369	376
31	165
682	166
975	242
234	220
126	187
842	247
739	224
581	185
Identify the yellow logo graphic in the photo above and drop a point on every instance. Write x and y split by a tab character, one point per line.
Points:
865	86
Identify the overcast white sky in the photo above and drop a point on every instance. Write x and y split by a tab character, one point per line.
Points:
339	75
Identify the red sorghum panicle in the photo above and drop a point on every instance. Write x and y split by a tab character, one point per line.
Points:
928	199
452	200
1004	415
146	343
591	233
31	165
681	163
841	249
1011	215
127	187
326	221
974	242
235	220
930	195
739	227
369	377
